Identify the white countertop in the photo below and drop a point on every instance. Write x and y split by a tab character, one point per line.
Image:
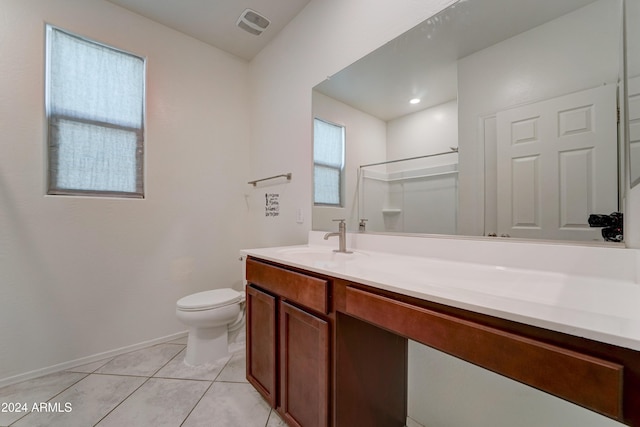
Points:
601	308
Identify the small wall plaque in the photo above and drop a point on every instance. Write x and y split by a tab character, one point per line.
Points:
271	204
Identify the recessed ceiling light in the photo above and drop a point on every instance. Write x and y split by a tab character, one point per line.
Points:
414	101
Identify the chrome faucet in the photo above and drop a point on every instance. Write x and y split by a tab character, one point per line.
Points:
342	237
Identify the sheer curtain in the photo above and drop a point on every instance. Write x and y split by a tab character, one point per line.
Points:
95	112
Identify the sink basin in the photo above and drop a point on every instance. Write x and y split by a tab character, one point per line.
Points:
318	256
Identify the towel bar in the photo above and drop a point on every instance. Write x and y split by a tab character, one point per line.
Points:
284	175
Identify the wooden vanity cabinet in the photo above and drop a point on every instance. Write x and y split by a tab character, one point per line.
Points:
600	377
318	367
329	352
288	342
589	381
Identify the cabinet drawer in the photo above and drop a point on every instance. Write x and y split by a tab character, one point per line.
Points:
308	291
587	381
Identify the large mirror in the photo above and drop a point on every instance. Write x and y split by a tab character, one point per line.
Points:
516	132
632	13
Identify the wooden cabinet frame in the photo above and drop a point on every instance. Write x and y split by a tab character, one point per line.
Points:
579	378
288	342
367	350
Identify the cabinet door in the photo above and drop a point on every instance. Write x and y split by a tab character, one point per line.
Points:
261	343
304	367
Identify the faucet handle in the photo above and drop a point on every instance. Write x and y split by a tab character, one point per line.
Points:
342	225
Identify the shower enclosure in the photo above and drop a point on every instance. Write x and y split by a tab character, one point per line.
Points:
412	195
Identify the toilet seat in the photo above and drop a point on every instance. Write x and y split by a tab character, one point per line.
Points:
208	300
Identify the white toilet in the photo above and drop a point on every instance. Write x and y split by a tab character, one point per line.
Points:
210	316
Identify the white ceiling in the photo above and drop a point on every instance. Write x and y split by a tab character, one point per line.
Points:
214	21
383	82
422	62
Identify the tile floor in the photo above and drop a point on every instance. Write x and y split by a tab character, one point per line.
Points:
149	387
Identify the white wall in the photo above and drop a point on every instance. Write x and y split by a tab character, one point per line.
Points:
427	205
432	130
81	276
324	38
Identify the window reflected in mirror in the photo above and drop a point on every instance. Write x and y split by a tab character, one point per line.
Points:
328	163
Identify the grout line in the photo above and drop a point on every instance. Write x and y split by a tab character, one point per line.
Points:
182	379
168	361
56	395
207	390
94	371
108	374
141	385
268	417
123	400
223	368
232	382
147	378
196	404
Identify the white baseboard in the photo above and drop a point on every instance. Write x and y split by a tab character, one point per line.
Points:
85	360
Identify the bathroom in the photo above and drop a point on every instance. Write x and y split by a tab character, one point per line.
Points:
82	277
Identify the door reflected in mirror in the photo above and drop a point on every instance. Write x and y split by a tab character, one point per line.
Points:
518	100
632	12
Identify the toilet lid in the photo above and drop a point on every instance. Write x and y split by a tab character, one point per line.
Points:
209	299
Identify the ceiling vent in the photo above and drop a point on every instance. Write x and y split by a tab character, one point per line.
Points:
252	22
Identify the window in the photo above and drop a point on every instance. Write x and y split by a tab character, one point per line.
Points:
95	115
328	163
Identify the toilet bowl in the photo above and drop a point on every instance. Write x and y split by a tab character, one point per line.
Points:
209	316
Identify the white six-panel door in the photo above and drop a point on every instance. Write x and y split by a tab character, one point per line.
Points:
633	90
557	163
